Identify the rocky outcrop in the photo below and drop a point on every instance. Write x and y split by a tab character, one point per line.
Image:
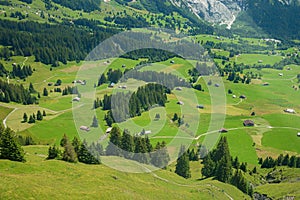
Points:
214	11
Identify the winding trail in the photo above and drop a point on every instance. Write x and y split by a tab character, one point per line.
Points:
4	121
147	170
26	58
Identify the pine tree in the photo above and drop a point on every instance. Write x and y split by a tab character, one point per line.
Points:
39	115
69	153
95	122
45	92
148	144
236	163
76	144
31	119
64	140
175	117
208	169
160	157
25	117
183	165
53	152
141	154
114	145
9	147
127	144
102	80
85	156
31	89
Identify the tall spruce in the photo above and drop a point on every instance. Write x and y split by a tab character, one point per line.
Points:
114	145
127	144
9	147
183	165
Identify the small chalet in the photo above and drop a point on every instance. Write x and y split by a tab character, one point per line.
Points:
266	84
217	85
248	122
179	89
111	85
223	130
84	128
76	99
234	96
243	97
180	103
298	134
289	110
108	130
200	106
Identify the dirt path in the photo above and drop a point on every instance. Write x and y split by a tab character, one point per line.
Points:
183	185
26	58
4	121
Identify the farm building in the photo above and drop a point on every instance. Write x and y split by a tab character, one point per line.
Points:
248	122
289	110
217	85
179	88
143	132
200	106
223	130
111	85
234	96
76	99
266	84
243	97
84	128
108	130
280	74
180	103
298	134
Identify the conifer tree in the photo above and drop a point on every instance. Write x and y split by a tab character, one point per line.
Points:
64	140
85	156
127	144
141	154
44	113
114	145
45	92
53	152
182	165
76	144
31	89
39	115
25	117
31	119
69	153
95	122
9	147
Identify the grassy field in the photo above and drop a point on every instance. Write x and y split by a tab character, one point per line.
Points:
57	179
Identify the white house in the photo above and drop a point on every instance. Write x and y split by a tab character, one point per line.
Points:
76	99
289	110
84	128
108	130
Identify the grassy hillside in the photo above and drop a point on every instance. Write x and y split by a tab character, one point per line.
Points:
39	178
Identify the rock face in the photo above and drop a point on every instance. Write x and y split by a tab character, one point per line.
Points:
214	11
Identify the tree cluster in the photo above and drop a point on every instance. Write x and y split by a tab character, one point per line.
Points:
15	93
137	148
70	90
85	5
281	160
9	147
76	151
126	105
219	163
168	80
51	44
39	116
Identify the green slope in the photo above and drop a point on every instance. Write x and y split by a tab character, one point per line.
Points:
41	179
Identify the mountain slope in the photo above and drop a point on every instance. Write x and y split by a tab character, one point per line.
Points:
42	179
